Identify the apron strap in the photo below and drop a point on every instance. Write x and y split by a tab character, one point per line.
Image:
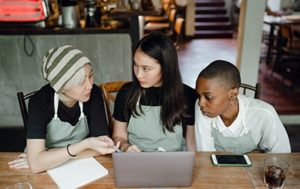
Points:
81	110
56	100
55	106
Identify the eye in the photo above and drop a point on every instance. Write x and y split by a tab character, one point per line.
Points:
146	69
91	75
209	98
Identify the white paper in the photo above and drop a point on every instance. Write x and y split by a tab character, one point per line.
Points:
76	173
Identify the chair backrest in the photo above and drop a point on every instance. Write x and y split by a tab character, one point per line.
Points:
109	91
178	31
22	98
172	18
255	90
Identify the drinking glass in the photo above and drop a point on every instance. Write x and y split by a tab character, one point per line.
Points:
275	170
20	185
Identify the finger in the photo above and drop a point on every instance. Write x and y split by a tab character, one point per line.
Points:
19	160
118	145
25	166
103	144
108	150
132	148
23	155
135	148
19	164
103	138
108	142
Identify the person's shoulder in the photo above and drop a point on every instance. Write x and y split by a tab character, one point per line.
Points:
126	87
256	104
188	88
95	89
43	93
189	91
44	96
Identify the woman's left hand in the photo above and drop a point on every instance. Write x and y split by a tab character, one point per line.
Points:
103	145
20	163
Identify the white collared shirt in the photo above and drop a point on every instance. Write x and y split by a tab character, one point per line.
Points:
255	116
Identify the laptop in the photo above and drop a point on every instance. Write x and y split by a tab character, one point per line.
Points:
153	169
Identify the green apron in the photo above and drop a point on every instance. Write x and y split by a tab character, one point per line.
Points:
60	134
146	132
236	145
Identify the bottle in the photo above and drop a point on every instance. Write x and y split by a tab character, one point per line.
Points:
70	14
90	14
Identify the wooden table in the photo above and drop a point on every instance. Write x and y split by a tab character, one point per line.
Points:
205	174
273	21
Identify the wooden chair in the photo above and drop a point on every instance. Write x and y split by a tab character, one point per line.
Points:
165	27
287	55
109	91
245	89
166	6
22	98
178	32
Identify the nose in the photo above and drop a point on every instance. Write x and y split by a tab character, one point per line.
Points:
89	84
138	73
201	101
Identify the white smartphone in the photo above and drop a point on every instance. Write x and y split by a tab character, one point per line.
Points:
230	160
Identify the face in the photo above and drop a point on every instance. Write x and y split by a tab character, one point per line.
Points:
214	97
82	91
147	70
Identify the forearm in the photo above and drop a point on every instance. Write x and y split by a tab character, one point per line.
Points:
123	142
87	153
45	160
120	134
190	138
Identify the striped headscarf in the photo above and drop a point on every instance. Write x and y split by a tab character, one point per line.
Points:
61	63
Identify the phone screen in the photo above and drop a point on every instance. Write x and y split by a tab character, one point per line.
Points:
231	159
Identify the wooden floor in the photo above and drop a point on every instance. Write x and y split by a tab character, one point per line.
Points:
195	54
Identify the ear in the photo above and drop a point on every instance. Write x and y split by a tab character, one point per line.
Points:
234	92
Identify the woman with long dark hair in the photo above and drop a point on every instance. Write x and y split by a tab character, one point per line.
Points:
154	110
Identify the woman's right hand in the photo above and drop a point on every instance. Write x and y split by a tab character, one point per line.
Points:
103	144
20	163
133	148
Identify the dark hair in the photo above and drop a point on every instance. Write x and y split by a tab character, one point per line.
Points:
223	70
161	48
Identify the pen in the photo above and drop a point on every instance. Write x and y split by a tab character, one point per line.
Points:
118	150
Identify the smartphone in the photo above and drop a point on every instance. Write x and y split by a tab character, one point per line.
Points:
230	160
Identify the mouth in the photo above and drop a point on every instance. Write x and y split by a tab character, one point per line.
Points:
142	82
88	94
204	112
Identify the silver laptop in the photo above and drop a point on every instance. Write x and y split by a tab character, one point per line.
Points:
153	169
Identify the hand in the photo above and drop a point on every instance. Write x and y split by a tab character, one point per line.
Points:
20	163
133	148
103	145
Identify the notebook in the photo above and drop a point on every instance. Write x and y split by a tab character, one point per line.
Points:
76	173
153	169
